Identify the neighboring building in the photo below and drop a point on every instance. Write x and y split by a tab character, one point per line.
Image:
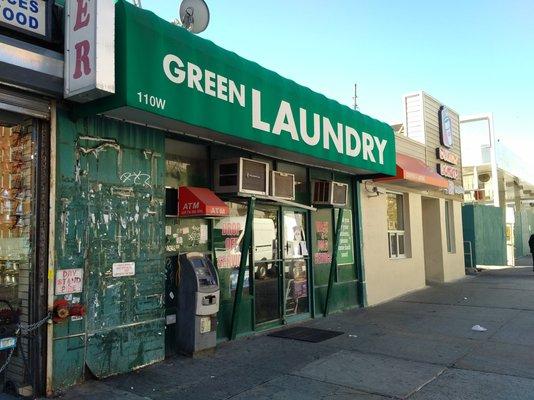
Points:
411	224
499	213
31	79
158	109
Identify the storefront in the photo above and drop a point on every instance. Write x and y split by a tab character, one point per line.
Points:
199	150
412	223
31	77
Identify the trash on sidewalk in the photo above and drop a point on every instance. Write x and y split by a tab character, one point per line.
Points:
478	328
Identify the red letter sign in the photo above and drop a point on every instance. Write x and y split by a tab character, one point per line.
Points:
82	16
82	57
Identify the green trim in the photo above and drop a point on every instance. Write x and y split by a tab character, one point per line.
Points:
358	243
333	264
245	251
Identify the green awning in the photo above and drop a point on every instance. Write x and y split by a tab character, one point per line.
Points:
171	78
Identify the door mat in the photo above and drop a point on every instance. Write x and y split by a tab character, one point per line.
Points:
312	335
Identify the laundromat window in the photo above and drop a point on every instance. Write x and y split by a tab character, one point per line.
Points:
227	241
16	219
186	164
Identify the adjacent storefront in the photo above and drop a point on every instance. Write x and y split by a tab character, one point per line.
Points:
412	223
31	77
189	149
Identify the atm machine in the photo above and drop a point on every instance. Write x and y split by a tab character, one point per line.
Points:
198	304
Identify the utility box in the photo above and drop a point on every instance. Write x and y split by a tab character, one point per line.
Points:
198	304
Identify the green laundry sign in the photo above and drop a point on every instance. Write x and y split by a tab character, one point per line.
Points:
345	251
166	70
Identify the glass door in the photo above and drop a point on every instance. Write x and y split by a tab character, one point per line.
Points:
266	264
295	261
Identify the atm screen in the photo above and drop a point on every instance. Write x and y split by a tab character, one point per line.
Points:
202	271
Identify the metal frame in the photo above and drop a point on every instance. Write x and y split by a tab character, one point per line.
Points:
40	257
470	253
358	240
282	279
491	131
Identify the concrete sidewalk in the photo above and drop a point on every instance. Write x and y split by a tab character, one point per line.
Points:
420	346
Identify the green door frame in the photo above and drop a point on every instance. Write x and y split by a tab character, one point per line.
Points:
245	251
358	241
306	218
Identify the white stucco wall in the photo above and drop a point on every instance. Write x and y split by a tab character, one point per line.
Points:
453	263
387	278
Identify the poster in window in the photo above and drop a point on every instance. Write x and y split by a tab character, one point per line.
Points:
322	252
345	251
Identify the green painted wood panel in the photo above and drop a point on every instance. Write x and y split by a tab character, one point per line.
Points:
109	208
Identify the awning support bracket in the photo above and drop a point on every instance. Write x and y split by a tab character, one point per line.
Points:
245	251
333	264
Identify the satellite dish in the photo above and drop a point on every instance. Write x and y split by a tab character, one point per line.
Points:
194	15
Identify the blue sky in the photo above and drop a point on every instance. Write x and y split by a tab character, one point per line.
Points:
472	55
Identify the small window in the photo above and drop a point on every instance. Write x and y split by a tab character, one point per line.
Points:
396	233
449	226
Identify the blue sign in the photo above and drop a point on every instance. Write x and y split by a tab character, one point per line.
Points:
27	16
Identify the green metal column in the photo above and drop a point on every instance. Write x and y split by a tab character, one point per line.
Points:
245	250
333	264
358	240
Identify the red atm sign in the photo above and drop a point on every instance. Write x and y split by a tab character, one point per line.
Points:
200	202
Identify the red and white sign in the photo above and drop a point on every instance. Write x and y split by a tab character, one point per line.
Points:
195	201
448	171
447	155
89	49
123	269
69	281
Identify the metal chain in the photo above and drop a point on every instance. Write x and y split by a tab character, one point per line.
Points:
24	329
8	359
31	327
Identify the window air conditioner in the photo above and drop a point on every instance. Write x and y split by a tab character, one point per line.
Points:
283	185
330	193
241	175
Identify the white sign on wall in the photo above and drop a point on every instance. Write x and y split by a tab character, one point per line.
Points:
123	269
89	49
28	16
69	281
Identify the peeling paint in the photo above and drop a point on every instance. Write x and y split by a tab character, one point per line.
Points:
112	211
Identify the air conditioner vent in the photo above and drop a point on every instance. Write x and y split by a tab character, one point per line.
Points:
241	175
283	185
330	193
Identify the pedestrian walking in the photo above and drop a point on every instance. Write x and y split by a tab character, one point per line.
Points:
531	244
